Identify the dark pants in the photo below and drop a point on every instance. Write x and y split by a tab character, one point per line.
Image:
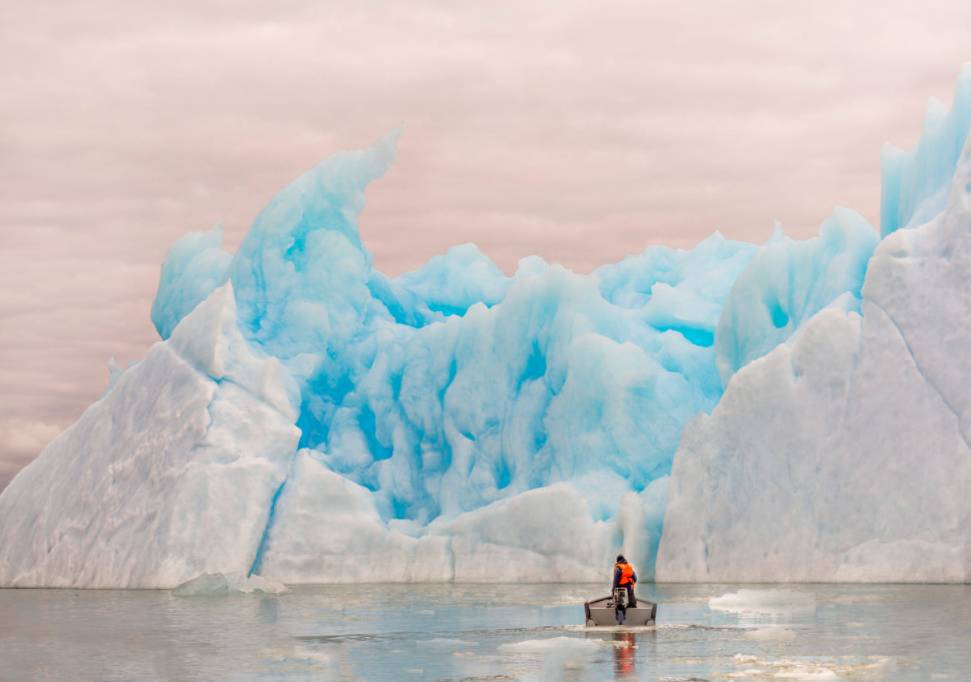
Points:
631	599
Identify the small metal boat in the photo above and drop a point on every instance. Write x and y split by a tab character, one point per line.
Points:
613	610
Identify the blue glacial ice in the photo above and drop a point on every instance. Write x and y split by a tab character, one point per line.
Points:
452	387
308	418
196	265
916	183
787	283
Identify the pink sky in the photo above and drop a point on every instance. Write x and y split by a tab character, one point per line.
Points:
580	131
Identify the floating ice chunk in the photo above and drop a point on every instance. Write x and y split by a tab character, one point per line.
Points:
773	634
215	584
548	644
449	642
762	601
558	654
808	674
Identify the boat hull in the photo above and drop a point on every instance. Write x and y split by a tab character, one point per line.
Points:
603	612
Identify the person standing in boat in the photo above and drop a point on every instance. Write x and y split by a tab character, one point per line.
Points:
624	576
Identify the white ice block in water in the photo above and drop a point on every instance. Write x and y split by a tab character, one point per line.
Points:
217	584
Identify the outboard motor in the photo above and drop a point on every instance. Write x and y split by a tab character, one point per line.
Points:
620	604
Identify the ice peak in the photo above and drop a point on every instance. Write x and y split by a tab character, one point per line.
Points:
916	183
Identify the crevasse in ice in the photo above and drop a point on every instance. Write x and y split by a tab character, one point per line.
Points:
308	418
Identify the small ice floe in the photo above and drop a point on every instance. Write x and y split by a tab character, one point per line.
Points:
857	598
809	675
558	654
215	584
299	657
781	669
448	642
810	669
550	644
763	601
312	656
771	635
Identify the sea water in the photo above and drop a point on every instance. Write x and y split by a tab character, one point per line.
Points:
488	632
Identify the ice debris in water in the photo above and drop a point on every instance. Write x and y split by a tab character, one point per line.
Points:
215	584
306	416
540	646
763	601
771	634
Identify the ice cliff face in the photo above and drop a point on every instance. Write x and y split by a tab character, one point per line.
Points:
169	475
843	454
307	418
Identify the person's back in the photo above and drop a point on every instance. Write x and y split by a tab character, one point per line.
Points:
625	577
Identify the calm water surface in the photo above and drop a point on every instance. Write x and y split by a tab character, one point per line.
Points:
488	632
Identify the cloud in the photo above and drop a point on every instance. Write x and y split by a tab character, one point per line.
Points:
573	131
20	441
25	438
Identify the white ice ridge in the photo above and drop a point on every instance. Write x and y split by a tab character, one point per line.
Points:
168	476
843	454
308	418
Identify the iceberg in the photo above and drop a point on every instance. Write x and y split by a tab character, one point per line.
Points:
308	418
843	454
217	584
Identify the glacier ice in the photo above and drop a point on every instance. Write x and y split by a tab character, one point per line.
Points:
195	266
843	454
787	283
308	418
167	477
916	183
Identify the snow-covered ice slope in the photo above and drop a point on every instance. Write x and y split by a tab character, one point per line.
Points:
308	418
168	476
843	454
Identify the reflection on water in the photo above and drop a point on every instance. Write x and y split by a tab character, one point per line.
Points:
487	632
625	662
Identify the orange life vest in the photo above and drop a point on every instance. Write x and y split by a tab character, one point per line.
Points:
626	574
